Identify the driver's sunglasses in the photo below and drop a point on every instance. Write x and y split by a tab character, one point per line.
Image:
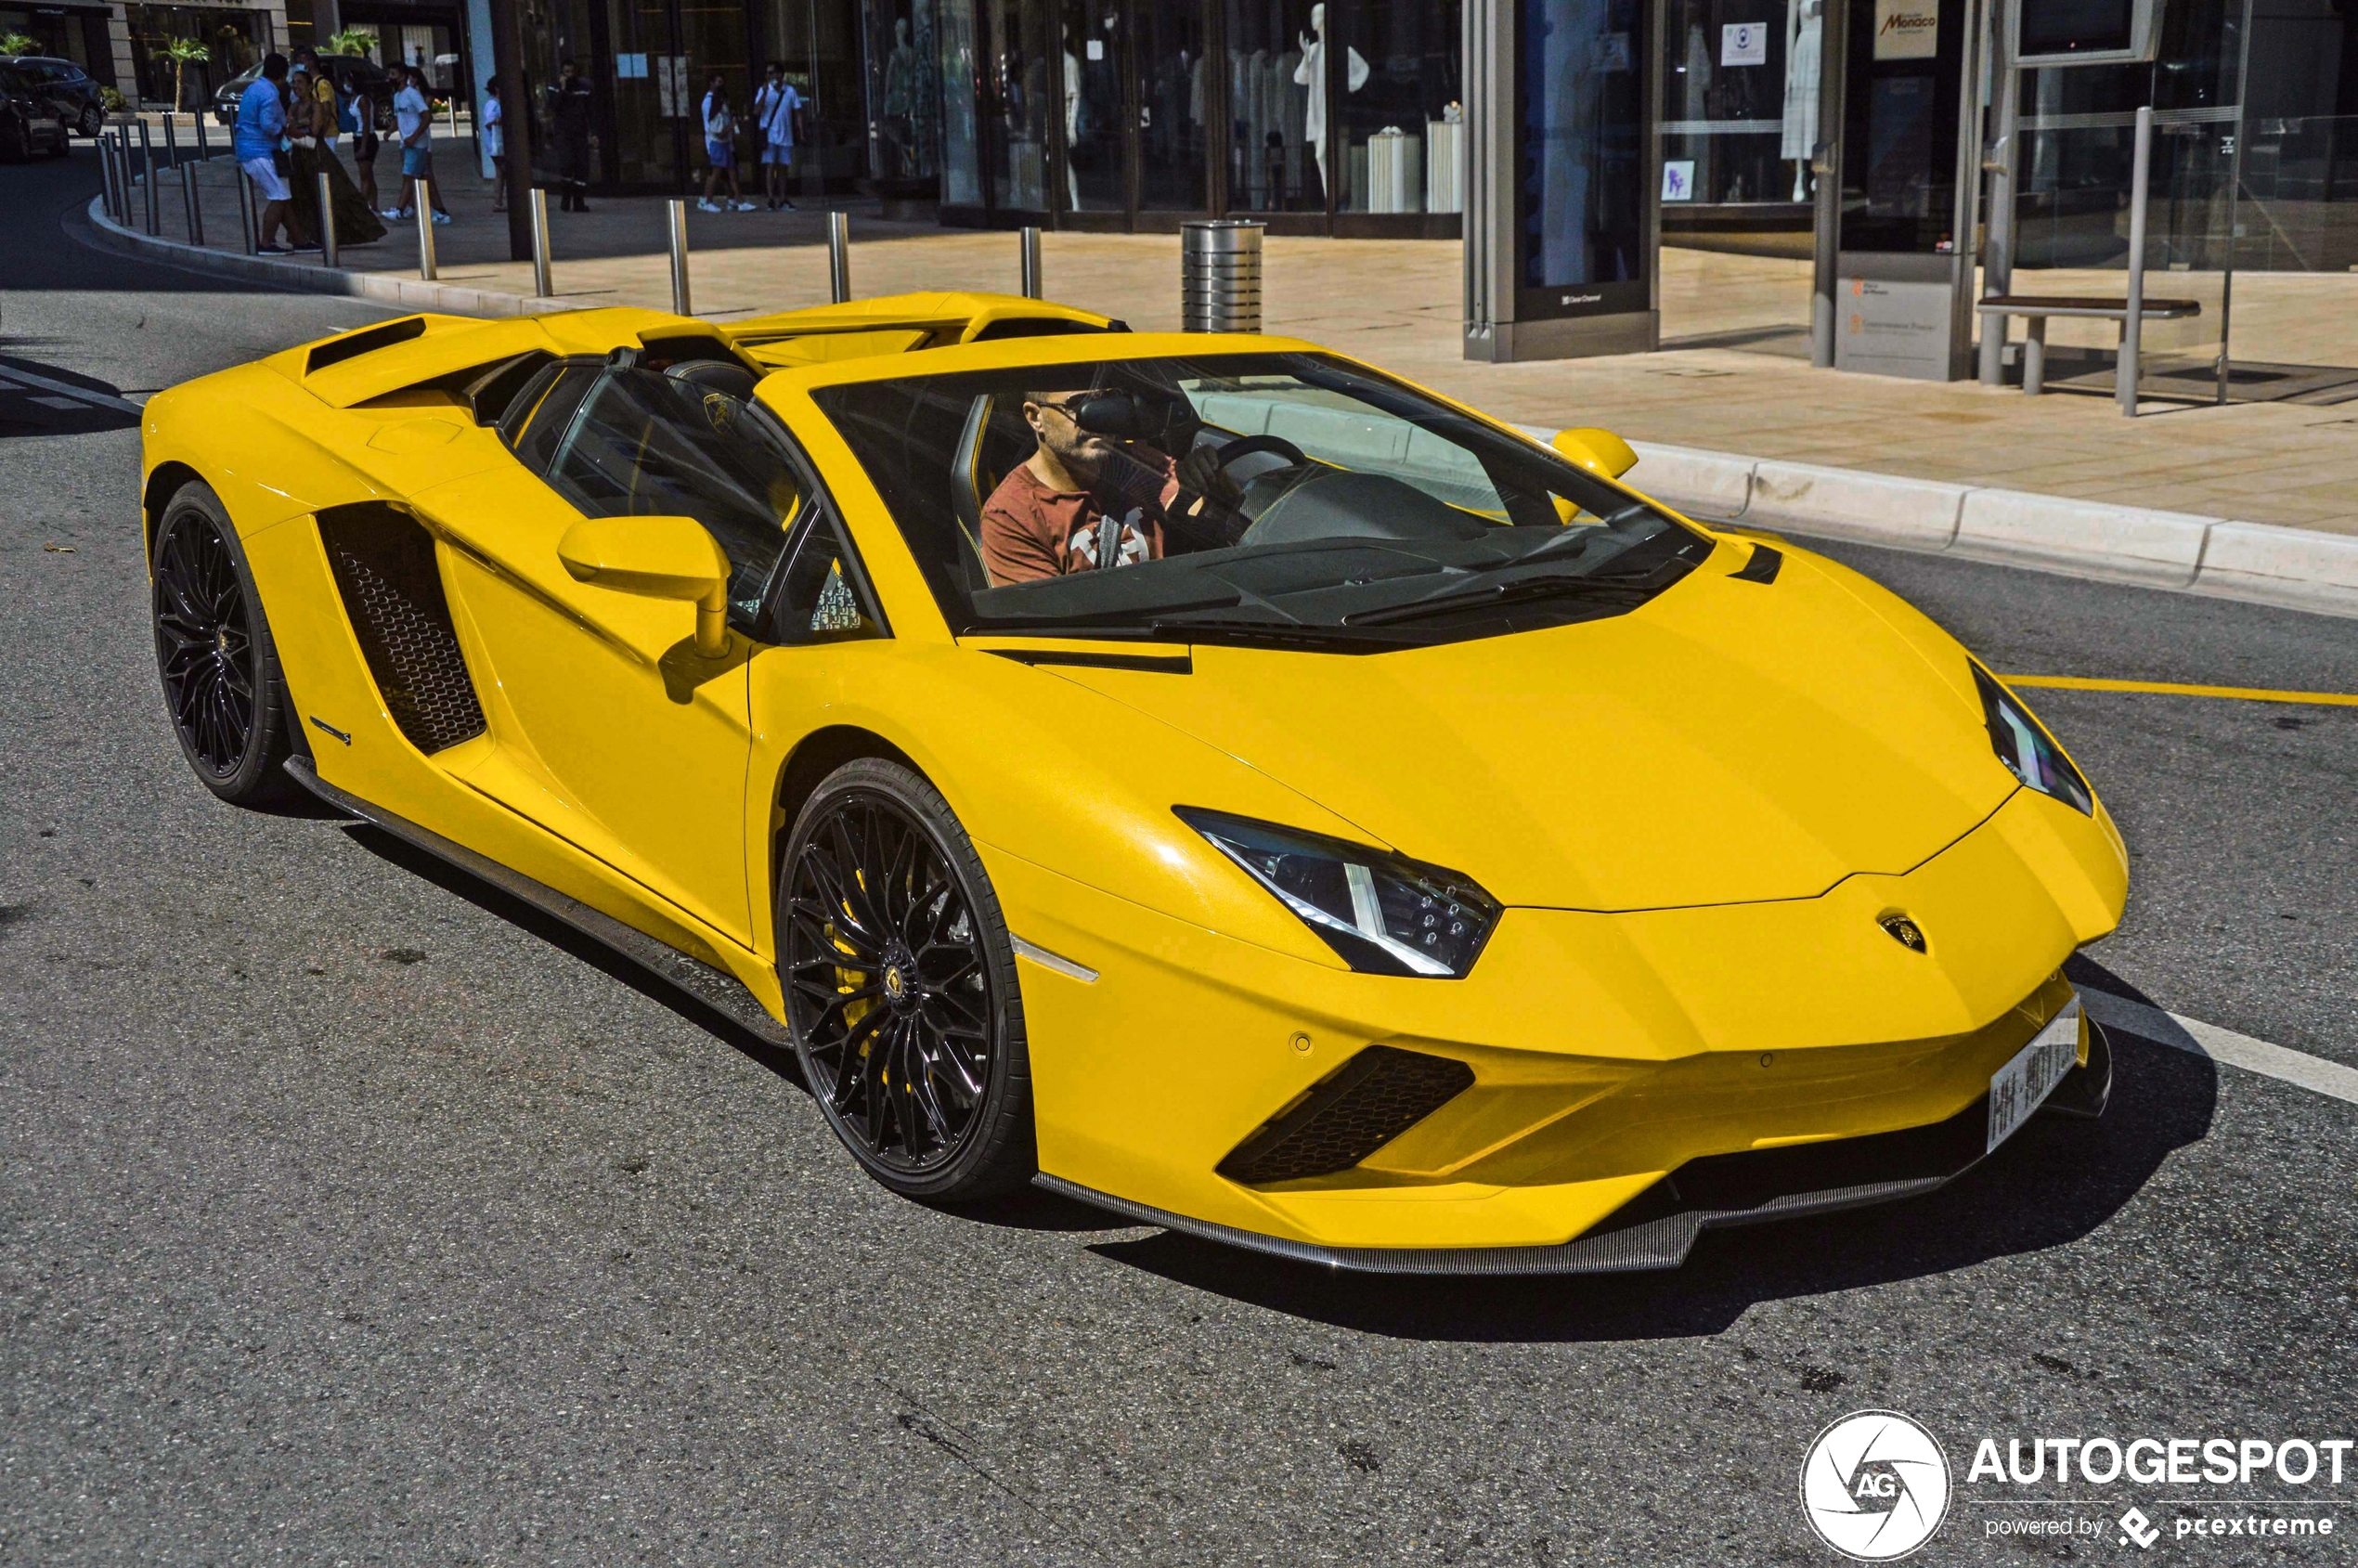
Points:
1069	407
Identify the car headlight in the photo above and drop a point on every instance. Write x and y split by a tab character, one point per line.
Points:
2024	745
1383	914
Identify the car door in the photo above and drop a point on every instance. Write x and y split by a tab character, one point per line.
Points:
613	731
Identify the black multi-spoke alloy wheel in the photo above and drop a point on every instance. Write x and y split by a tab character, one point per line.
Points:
901	987
221	680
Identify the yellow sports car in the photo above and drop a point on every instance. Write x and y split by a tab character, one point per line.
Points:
1203	774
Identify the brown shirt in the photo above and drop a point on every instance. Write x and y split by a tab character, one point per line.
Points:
1031	531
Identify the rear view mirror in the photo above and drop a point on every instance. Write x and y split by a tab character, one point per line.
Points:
1599	451
656	558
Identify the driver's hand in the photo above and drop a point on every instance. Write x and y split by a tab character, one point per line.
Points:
1206	491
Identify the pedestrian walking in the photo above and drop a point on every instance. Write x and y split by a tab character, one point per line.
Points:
262	119
776	109
495	146
720	150
569	108
414	122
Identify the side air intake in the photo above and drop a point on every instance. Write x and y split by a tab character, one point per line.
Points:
1355	1110
384	567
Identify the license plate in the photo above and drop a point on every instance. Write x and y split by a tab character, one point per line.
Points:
2023	1083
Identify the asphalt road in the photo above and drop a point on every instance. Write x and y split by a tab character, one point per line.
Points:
349	1213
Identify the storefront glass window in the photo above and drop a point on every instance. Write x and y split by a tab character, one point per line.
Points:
905	85
1092	41
1739	100
235	39
1011	106
961	154
1172	96
1397	87
1271	167
1582	195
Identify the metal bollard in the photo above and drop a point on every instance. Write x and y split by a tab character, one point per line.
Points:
327	221
189	209
147	177
204	153
425	234
838	257
107	189
171	139
1220	276
246	221
1028	239
676	221
539	214
2133	326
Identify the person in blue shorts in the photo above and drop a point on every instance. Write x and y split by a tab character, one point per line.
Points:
414	120
776	109
720	150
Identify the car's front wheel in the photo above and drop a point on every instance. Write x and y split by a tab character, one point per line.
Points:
220	669
899	981
93	121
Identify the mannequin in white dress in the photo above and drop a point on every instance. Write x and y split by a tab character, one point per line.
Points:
1311	73
1803	21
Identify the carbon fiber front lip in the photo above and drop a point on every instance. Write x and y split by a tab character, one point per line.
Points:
1659	1243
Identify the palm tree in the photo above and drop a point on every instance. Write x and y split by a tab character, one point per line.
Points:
17	44
352	41
183	53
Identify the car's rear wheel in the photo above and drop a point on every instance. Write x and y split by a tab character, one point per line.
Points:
221	680
900	980
15	146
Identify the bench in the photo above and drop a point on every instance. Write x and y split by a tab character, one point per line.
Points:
2036	308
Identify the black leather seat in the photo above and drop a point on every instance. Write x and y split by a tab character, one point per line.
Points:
986	454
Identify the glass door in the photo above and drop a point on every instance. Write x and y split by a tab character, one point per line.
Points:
1093	40
1176	91
1273	162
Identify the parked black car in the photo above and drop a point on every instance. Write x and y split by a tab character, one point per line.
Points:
65	83
31	118
351	74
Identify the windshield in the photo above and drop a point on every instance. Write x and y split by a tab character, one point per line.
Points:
1277	498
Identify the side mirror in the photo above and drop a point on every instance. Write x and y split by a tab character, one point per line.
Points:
656	558
1599	451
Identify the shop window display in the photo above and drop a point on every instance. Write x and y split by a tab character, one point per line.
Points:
1397	99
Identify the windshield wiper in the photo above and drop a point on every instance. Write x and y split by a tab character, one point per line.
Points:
1634	589
1285	633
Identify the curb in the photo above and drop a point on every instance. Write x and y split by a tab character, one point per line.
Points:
2258	563
410	293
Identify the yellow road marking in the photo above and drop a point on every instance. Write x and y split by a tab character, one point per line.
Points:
2172	689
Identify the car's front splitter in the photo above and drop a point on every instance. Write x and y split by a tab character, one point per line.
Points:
1658	1228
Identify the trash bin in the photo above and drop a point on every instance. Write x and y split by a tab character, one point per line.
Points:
1220	276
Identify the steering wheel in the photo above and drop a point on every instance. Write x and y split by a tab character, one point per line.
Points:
1247	445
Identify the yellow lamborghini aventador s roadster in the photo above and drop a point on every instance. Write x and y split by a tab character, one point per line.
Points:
1203	774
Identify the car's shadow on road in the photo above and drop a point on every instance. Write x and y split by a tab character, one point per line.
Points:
589	950
2055	1183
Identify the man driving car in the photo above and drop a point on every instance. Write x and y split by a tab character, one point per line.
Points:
1085	501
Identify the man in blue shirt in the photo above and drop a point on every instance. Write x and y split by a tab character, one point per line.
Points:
262	122
774	110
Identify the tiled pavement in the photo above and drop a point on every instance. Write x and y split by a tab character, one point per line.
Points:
1397	304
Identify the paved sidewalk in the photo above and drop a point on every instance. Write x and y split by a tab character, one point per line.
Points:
1397	304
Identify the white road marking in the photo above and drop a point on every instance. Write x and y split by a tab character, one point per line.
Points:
2194	1036
11	375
